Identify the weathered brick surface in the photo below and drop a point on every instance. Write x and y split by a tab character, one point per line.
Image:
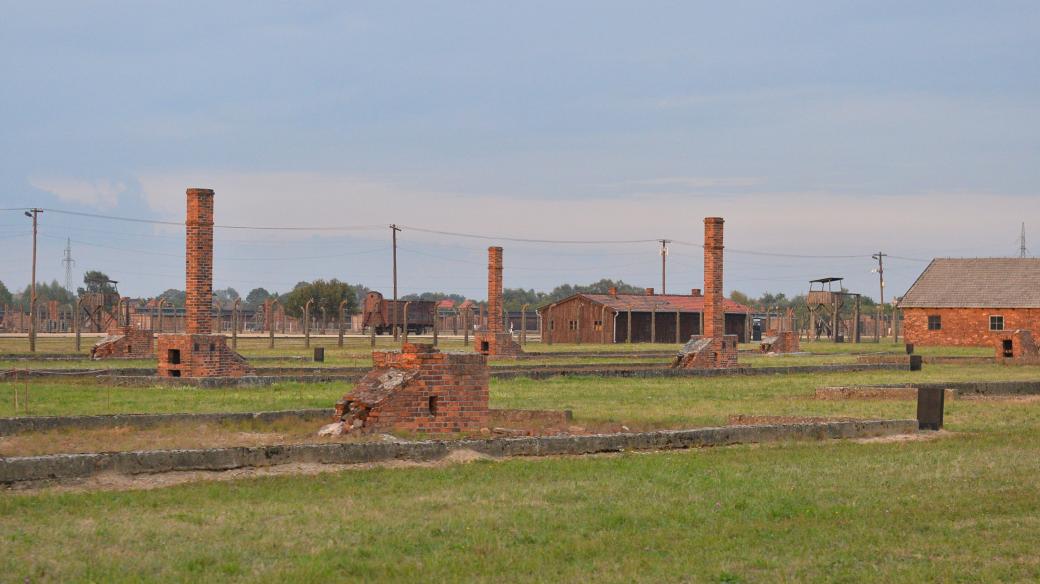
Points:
124	341
199	353
1020	345
419	389
199	356
714	349
780	342
965	326
495	340
198	302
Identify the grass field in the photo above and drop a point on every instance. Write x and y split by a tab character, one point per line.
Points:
961	507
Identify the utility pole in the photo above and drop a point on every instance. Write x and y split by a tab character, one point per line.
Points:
880	257
664	263
32	297
1022	251
394	229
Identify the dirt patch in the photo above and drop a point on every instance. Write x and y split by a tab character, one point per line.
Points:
744	420
120	482
1017	399
916	437
874	393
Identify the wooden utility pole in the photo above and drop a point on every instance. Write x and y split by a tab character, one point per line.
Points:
32	297
880	257
394	229
664	264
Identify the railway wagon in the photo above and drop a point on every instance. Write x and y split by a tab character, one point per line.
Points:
378	312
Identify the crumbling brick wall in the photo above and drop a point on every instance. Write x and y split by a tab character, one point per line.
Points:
1017	347
780	342
125	341
714	349
199	353
418	389
495	340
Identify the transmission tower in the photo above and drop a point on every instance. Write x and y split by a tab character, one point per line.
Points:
1022	251
69	263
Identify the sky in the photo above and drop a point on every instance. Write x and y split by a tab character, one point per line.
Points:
823	132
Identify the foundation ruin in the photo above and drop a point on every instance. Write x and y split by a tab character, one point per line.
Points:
714	349
417	389
1017	348
123	339
198	352
780	342
494	340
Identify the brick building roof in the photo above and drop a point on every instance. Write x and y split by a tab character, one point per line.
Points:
976	283
660	302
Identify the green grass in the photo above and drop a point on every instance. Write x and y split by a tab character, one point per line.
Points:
648	400
961	508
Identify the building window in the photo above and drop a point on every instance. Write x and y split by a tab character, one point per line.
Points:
996	322
552	325
572	325
597	325
935	323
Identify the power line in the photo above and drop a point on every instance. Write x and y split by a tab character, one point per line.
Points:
251	227
526	240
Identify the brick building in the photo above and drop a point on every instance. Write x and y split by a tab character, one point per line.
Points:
604	318
972	302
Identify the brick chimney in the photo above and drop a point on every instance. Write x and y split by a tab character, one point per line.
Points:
649	291
495	290
714	313
612	291
695	292
198	301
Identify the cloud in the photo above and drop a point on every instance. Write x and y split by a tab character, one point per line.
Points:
96	193
815	222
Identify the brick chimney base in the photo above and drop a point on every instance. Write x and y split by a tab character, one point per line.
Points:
418	389
780	342
1021	346
124	341
199	356
707	353
496	344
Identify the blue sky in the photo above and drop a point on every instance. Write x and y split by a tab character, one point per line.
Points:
815	128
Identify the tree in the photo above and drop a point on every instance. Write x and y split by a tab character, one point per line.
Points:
227	296
326	294
257	296
174	297
5	295
96	282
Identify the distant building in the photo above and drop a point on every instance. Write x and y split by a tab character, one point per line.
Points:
604	318
972	302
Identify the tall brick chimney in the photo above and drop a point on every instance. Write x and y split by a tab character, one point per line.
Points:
495	290
198	301
714	313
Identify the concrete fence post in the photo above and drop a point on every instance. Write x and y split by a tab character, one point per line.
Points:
340	314
270	324
523	323
404	337
435	323
234	323
465	327
678	336
307	323
628	333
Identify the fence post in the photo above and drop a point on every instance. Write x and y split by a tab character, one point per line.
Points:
405	321
234	323
307	323
342	306
434	311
